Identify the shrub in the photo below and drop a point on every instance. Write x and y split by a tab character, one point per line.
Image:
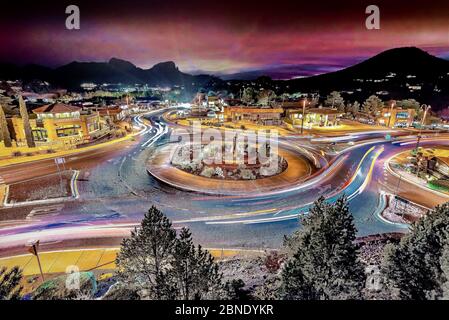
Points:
219	172
247	174
208	172
440	184
273	261
56	289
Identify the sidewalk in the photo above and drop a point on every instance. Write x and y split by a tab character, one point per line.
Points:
87	259
24	159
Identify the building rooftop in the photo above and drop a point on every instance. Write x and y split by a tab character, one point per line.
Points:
291	104
57	108
316	111
109	111
323	111
255	109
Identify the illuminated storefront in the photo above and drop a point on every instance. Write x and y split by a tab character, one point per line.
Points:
322	117
396	117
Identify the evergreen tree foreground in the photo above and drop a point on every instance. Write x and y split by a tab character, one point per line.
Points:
165	266
325	264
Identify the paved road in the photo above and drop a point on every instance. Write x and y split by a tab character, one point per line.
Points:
116	191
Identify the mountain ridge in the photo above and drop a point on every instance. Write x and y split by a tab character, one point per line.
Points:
391	72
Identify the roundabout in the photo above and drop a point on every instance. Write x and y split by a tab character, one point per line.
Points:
230	178
116	191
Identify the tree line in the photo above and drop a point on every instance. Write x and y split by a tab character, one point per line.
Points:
372	106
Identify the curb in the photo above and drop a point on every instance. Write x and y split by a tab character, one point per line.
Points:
391	171
73	188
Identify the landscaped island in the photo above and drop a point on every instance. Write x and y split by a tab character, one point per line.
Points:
245	162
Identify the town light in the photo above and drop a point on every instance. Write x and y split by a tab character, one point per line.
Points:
303	115
390	113
426	109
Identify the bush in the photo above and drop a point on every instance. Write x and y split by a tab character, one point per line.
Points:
273	261
56	289
247	174
236	290
208	172
219	172
440	184
119	291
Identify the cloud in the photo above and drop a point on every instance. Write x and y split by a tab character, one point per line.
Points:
221	37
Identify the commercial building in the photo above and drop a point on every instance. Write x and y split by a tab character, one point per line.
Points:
199	106
58	122
207	107
396	117
323	117
262	116
113	114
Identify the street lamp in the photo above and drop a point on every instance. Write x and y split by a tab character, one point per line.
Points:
426	109
303	115
34	250
391	112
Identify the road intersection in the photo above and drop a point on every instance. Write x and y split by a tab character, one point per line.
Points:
115	190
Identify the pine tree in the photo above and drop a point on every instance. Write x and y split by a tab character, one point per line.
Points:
26	123
372	105
10	287
248	95
154	259
146	256
444	262
4	132
355	107
325	264
413	268
335	100
194	272
236	290
266	97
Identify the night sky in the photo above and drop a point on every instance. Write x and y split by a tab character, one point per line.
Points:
220	36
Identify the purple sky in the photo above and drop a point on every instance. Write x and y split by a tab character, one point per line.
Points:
221	37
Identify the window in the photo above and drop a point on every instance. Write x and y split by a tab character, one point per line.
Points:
39	134
92	126
68	131
402	115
